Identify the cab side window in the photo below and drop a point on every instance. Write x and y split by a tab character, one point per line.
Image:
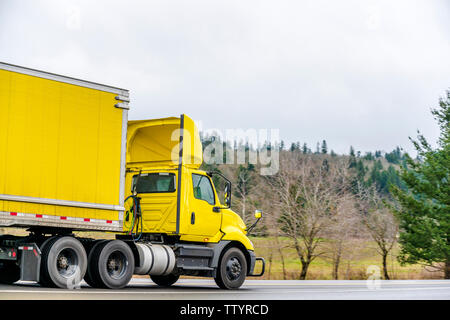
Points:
203	189
154	182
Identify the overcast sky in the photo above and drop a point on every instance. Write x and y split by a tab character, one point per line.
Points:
361	73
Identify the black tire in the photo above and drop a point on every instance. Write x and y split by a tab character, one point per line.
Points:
112	265
9	272
64	263
232	269
89	277
44	280
165	281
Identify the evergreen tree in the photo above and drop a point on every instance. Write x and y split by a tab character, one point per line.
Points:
395	156
325	165
424	207
360	171
324	147
293	147
368	156
352	160
352	151
305	148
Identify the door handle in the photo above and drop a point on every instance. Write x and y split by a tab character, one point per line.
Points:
193	218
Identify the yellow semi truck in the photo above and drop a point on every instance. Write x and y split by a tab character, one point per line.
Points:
71	161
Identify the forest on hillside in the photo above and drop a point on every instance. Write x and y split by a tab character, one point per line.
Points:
323	208
318	203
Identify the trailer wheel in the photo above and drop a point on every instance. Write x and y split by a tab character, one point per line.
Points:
89	277
9	272
165	281
44	280
64	262
232	269
112	264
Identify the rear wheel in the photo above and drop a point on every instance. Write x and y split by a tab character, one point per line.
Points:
165	281
232	269
43	280
112	265
9	272
90	277
64	263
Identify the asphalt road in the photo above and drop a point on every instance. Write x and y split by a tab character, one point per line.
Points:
200	289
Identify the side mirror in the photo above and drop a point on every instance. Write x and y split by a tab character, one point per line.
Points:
227	191
228	194
258	215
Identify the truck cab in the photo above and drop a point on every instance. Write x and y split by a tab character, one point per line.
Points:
178	202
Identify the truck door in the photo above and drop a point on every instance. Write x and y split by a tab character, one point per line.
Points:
204	221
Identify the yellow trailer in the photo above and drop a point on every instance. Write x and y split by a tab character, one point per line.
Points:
63	148
70	160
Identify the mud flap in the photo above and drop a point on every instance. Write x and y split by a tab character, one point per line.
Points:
30	264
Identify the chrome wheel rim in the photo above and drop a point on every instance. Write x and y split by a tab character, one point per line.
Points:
67	263
116	265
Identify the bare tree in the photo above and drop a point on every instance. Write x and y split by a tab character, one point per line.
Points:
275	252
243	187
380	222
280	248
269	223
353	251
307	191
344	228
243	180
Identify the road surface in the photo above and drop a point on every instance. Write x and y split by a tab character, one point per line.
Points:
201	289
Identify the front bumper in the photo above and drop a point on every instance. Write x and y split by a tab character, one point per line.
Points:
253	260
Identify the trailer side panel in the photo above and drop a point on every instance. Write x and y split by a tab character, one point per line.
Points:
61	153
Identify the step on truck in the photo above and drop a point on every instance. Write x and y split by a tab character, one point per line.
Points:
70	161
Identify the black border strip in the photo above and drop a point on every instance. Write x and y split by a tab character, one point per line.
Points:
225	309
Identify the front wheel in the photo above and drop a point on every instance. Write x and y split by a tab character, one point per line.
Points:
165	281
232	269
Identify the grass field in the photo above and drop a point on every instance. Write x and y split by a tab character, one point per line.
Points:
359	255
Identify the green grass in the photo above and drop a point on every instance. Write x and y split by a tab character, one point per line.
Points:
364	254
